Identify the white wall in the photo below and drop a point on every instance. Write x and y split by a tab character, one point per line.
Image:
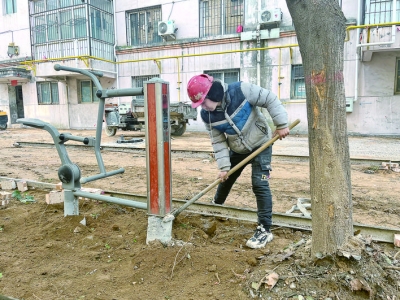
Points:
376	110
18	23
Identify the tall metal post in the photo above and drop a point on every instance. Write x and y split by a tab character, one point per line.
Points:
158	158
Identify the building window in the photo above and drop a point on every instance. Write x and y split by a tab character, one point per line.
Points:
102	27
397	82
87	92
66	29
218	17
10	6
62	25
47	93
143	26
379	11
137	82
298	86
39	30
227	76
79	23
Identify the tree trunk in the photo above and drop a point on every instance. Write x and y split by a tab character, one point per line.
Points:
320	28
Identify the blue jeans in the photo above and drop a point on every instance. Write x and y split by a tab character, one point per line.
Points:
260	167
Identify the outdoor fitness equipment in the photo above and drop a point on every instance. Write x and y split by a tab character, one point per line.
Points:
157	94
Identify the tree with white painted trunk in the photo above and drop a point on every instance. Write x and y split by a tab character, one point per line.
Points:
320	27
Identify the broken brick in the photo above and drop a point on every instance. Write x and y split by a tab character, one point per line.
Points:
59	186
22	186
8	185
397	240
4	202
5	196
55	197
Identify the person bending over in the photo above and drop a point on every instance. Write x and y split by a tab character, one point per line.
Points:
237	128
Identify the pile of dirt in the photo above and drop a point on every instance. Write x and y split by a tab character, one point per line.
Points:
45	255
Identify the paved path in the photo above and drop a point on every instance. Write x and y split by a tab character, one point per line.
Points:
360	147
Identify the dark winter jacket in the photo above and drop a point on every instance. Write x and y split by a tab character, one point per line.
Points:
238	124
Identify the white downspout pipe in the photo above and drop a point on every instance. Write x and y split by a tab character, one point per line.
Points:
359	46
258	45
115	51
258	56
358	55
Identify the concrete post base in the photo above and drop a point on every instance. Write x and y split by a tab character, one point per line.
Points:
158	230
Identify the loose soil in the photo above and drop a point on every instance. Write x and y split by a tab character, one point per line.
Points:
44	255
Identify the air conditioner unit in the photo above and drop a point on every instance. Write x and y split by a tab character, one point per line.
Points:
269	16
166	27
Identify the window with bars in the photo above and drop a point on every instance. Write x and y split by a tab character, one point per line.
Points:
47	93
102	27
61	25
298	87
39	6
143	26
227	76
379	11
87	92
219	17
10	7
397	82
137	82
54	20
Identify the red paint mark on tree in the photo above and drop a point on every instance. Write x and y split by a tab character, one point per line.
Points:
320	78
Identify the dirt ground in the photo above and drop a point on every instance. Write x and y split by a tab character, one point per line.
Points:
44	255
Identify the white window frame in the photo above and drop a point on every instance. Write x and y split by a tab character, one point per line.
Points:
379	11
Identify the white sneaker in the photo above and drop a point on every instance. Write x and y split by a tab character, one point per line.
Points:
260	238
213	202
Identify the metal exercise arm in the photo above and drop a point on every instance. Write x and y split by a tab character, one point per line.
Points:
60	139
101	94
62	152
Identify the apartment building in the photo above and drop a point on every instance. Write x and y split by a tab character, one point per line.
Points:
132	41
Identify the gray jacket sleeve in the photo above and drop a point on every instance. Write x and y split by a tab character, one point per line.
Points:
221	149
261	97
